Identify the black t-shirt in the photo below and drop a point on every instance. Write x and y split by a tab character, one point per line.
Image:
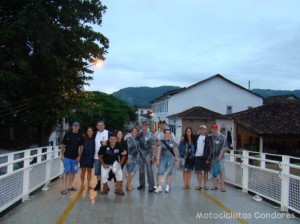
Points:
72	141
110	155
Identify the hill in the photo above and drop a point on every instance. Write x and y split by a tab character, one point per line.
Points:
270	92
141	96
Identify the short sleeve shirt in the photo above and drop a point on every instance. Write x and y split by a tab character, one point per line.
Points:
72	141
110	155
218	143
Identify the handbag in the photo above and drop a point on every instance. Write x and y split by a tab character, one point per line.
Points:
216	169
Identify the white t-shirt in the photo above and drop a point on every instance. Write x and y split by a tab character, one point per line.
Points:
200	145
100	136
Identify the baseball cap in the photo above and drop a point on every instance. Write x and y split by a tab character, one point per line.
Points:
203	126
75	123
214	126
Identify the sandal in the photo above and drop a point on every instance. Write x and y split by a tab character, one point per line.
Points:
72	189
63	192
198	188
223	190
214	188
205	188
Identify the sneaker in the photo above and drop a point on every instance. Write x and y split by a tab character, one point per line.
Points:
167	189
151	189
158	189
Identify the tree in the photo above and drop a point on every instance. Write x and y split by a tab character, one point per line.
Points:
46	47
95	106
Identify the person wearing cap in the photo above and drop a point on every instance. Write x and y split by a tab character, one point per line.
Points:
218	144
202	157
147	144
71	150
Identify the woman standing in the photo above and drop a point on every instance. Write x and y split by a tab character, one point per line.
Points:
189	157
166	157
133	151
87	157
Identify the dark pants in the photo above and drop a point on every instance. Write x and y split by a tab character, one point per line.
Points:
145	160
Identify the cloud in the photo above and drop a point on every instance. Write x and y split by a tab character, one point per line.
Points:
174	42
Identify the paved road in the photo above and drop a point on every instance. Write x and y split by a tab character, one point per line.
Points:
178	206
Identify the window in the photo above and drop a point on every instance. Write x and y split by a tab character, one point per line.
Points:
229	109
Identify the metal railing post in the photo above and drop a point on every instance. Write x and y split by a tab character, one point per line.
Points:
245	171
285	182
48	168
26	178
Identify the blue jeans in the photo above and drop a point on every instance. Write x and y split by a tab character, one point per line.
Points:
97	166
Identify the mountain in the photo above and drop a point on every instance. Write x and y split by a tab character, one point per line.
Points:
141	96
270	92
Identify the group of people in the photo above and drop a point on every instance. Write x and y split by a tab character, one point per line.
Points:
154	154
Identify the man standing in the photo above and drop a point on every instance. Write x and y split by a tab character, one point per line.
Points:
159	134
100	137
71	150
109	157
146	141
218	146
202	157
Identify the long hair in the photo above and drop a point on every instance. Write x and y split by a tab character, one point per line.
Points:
86	137
186	139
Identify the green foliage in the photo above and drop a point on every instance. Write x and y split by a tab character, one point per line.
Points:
95	106
46	47
270	92
141	96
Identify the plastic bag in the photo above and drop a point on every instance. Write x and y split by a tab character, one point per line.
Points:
216	169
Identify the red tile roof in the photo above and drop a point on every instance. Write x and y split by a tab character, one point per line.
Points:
273	118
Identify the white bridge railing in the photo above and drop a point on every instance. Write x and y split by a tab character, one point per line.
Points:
274	177
25	171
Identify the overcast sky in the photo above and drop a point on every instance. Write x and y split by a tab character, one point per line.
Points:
180	42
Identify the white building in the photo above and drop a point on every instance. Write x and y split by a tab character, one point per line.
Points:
142	111
215	93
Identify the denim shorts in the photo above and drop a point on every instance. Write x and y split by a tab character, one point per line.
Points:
166	165
97	166
131	164
70	165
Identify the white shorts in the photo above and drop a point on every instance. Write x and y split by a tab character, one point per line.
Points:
105	174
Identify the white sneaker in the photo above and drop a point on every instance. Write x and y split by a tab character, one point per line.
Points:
158	189
167	189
